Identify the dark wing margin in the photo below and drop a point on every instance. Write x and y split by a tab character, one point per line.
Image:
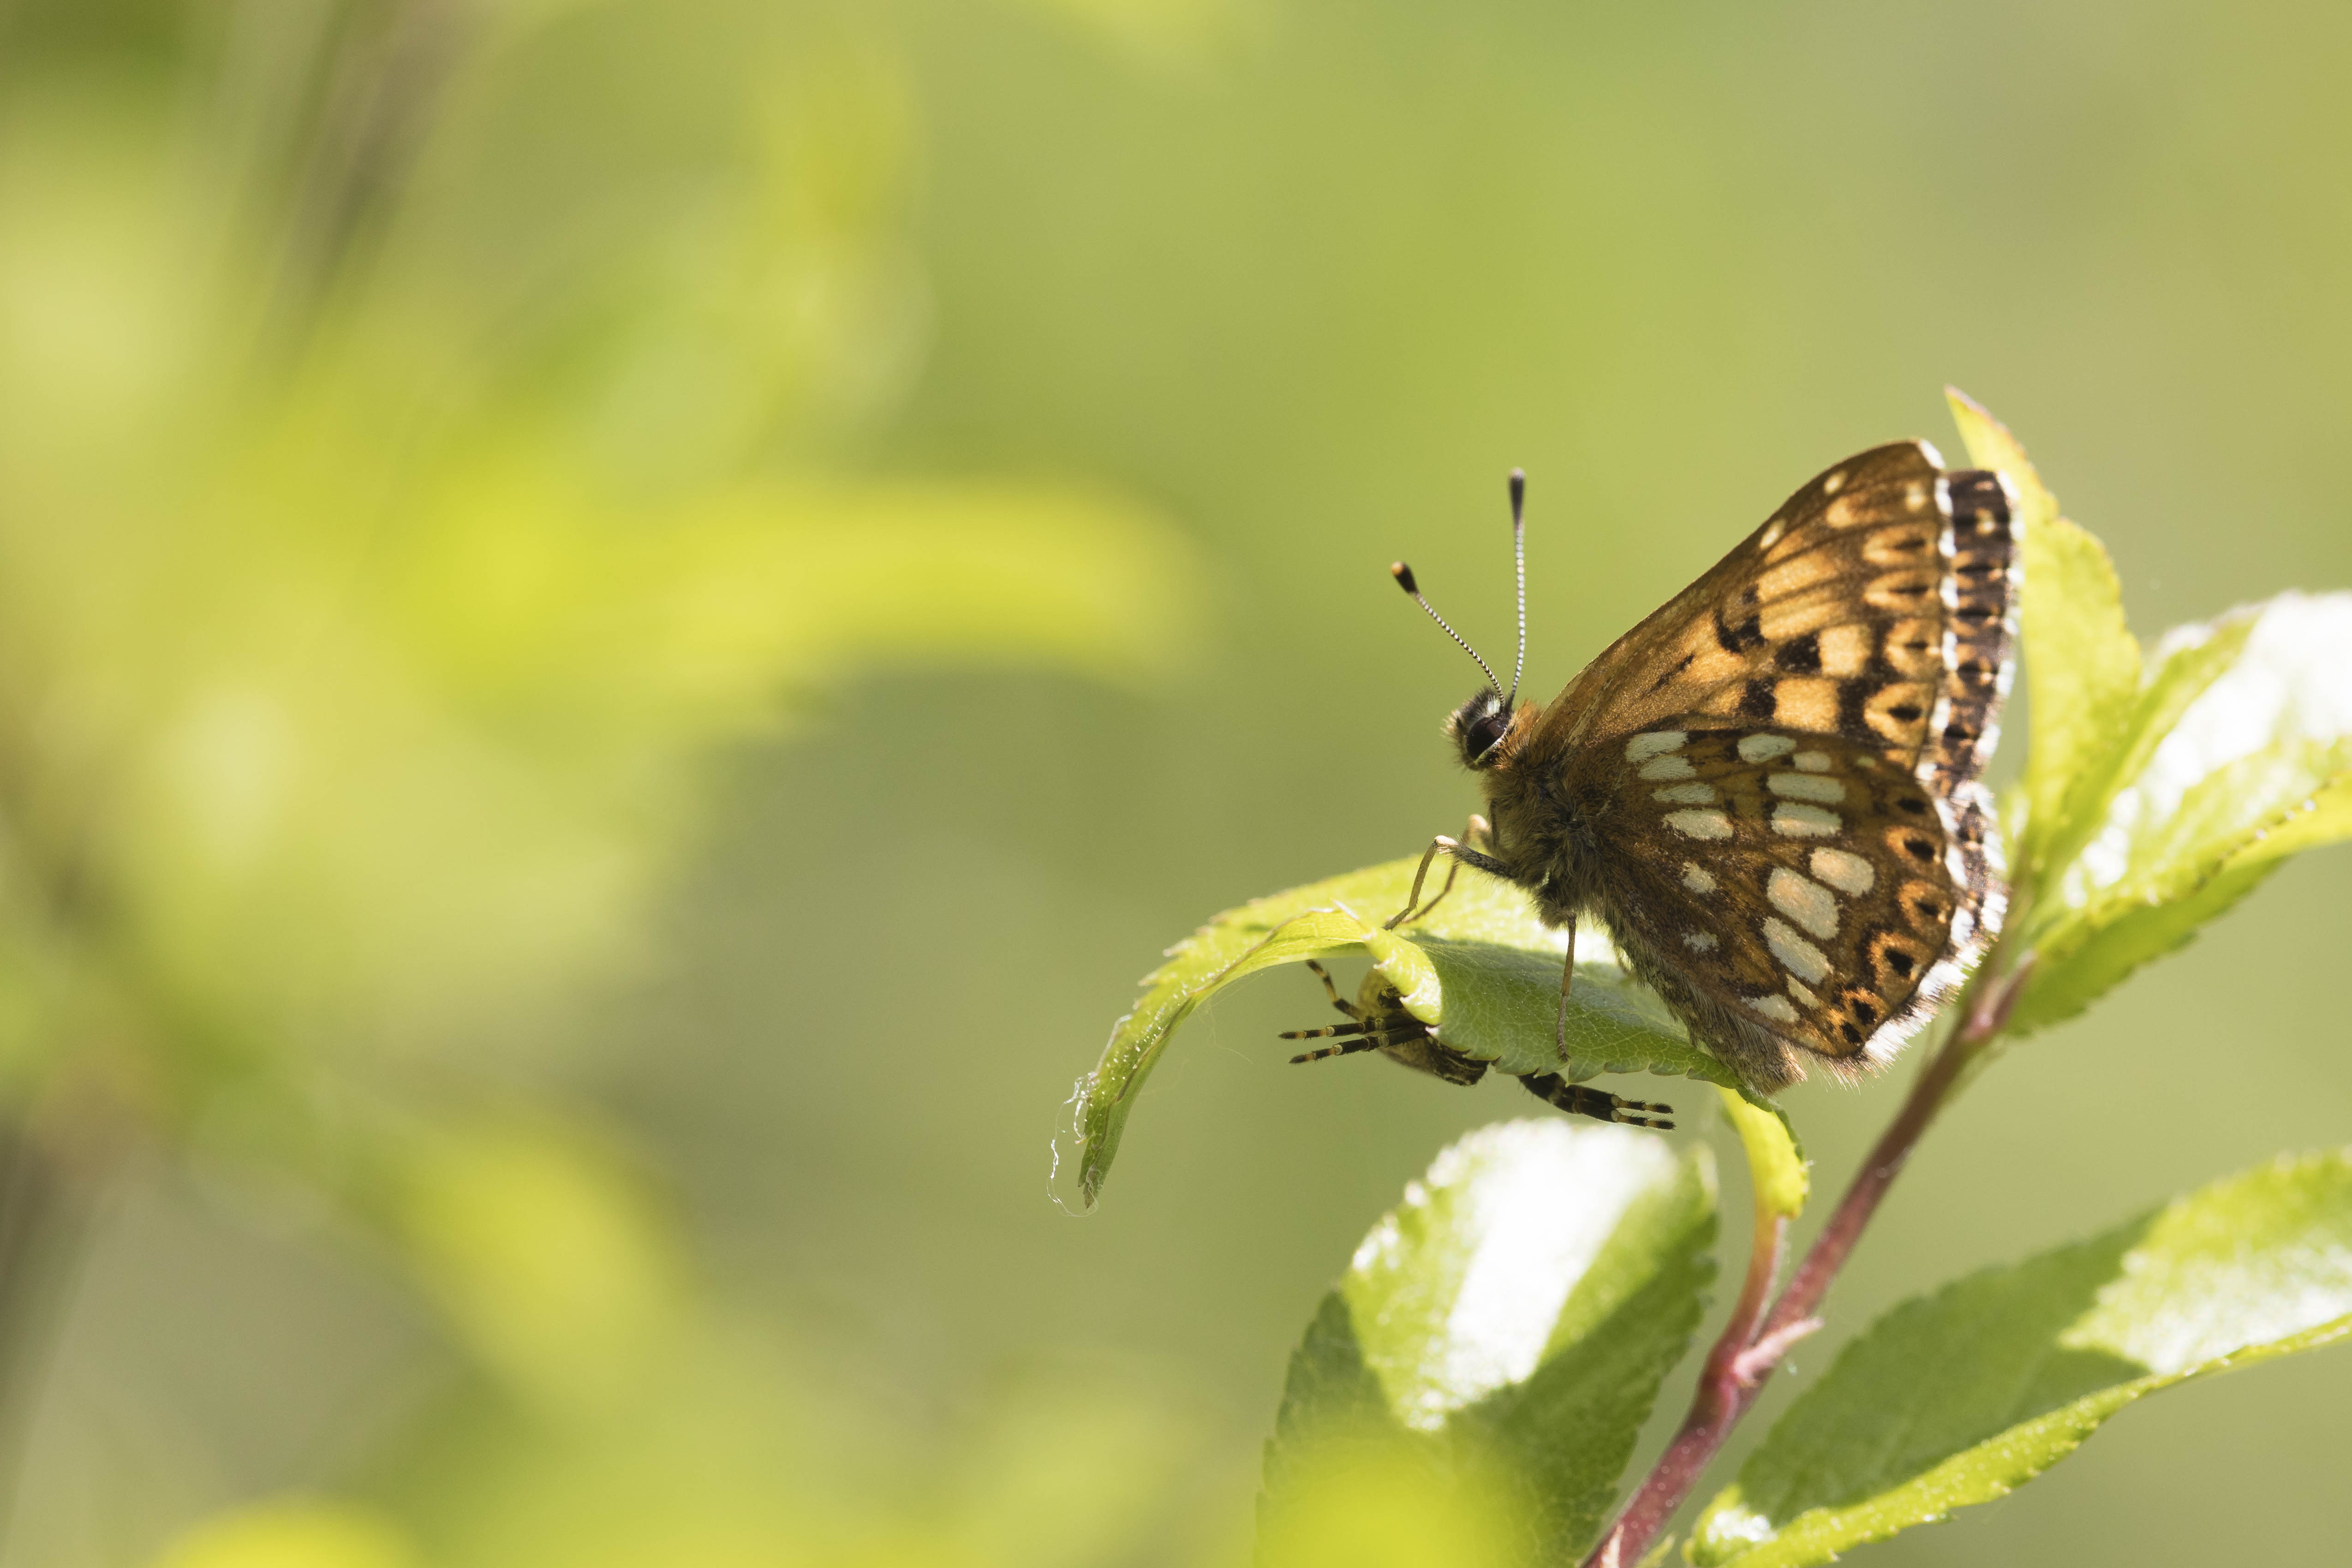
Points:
1985	573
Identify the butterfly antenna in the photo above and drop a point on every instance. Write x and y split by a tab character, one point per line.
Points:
1403	574
1520	560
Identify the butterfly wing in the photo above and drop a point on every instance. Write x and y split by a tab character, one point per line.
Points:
1869	623
1830	618
1782	890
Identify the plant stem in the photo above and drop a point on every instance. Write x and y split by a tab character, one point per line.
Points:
1714	1408
1753	1342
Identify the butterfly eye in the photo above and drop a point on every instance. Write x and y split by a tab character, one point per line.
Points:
1478	726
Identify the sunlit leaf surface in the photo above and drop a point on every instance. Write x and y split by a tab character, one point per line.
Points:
2232	755
1480	969
1498	1337
1959	1397
2157	791
1776	1160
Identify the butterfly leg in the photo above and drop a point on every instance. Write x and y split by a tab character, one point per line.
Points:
1369	1042
1327	1031
1602	1106
1368	1039
1475	829
1329	1051
1567	979
1324	975
1420	874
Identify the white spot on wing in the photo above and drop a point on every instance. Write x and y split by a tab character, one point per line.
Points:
1833	481
1700	941
1642	747
1794	820
1806	787
1802	995
1799	957
1668	768
1696	878
1846	872
1776	1007
1764	747
1808	903
1699	824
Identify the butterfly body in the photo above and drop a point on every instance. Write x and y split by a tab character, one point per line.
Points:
1767	789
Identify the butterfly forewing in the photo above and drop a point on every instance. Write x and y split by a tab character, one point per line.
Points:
1828	619
1865	628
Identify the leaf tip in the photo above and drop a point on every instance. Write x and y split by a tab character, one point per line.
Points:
1077	1154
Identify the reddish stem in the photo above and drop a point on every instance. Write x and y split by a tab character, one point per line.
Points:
1716	1407
1753	1342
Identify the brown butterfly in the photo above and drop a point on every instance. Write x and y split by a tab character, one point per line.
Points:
1767	789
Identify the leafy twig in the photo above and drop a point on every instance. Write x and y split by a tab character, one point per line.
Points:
1753	1342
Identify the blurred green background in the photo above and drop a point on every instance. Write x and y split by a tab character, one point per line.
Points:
623	623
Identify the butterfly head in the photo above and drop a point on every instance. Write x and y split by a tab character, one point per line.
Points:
1478	728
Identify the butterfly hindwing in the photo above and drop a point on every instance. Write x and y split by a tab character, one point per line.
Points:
1784	888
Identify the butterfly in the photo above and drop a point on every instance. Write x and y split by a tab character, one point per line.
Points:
1768	791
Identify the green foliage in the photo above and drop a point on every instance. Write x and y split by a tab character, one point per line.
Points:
1959	1397
434	438
433	432
1776	1161
356	723
2159	791
2235	754
1494	1340
1480	969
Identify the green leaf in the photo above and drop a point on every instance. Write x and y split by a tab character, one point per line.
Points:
1500	1338
2235	753
2082	664
1480	969
1776	1161
2155	798
1959	1397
